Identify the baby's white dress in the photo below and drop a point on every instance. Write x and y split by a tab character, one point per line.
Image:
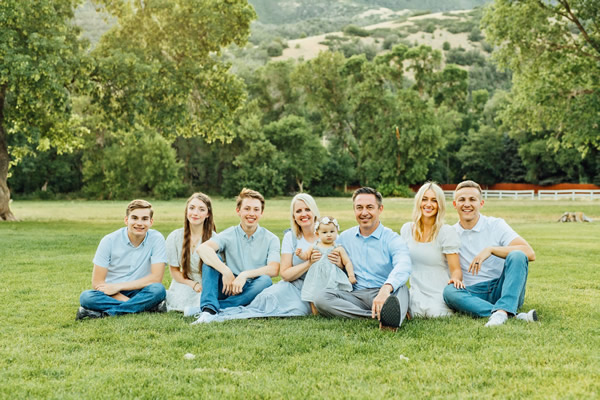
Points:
324	275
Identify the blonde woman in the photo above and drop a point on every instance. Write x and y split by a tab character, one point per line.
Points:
433	248
184	263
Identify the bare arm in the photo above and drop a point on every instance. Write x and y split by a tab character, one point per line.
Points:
291	272
156	274
455	270
208	253
177	275
502	252
347	264
304	255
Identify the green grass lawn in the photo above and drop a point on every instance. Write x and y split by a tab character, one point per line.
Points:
46	262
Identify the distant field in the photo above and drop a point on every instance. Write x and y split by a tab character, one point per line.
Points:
46	262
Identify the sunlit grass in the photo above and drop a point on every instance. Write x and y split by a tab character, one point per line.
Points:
44	353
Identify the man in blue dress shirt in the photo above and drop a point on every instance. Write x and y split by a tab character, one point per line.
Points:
128	268
381	264
251	259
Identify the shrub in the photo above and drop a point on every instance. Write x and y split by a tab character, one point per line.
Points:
390	41
461	57
430	27
275	49
446	46
488	48
135	164
353	30
475	35
391	190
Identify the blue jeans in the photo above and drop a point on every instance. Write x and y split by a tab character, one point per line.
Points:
213	298
139	300
504	293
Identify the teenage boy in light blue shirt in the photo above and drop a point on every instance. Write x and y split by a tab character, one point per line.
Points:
494	260
382	267
251	259
128	268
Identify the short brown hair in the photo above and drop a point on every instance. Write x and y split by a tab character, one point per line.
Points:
249	194
137	204
468	184
368	190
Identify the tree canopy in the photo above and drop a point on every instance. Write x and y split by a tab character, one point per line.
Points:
42	61
553	49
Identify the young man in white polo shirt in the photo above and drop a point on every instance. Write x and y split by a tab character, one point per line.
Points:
128	268
494	260
251	259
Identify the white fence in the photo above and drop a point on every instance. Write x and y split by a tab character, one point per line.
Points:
542	194
568	194
501	194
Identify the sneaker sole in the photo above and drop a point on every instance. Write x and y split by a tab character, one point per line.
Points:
390	313
534	316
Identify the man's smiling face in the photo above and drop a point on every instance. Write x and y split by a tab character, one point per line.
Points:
468	202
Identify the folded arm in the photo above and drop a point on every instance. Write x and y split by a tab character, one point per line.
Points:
502	251
157	271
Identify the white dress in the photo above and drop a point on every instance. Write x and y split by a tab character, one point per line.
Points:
324	275
430	273
181	295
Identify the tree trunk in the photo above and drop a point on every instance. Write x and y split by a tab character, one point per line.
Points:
300	184
5	213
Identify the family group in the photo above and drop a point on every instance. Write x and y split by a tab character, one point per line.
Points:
478	266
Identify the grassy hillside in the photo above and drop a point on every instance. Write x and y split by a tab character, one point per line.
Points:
279	12
455	32
299	18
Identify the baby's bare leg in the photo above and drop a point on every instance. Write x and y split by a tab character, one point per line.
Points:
314	309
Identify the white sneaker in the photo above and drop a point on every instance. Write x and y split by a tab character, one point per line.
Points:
496	319
204	318
530	316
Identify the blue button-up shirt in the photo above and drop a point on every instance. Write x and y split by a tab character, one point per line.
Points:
380	258
126	263
243	253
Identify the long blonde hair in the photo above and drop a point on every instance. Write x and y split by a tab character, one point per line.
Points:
310	203
208	227
418	226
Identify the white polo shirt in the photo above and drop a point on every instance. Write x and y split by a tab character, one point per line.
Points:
488	232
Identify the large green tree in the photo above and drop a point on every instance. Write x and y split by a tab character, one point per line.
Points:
158	66
41	62
553	49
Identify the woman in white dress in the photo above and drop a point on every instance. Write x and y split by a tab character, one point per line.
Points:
433	248
184	263
284	298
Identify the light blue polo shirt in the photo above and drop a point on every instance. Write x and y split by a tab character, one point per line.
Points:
380	258
243	253
487	232
126	263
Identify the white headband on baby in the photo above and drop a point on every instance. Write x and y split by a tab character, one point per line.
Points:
327	221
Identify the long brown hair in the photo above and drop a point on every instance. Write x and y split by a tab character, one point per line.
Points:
208	227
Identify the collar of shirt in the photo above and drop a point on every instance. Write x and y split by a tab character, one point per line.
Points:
243	235
477	228
126	238
376	233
